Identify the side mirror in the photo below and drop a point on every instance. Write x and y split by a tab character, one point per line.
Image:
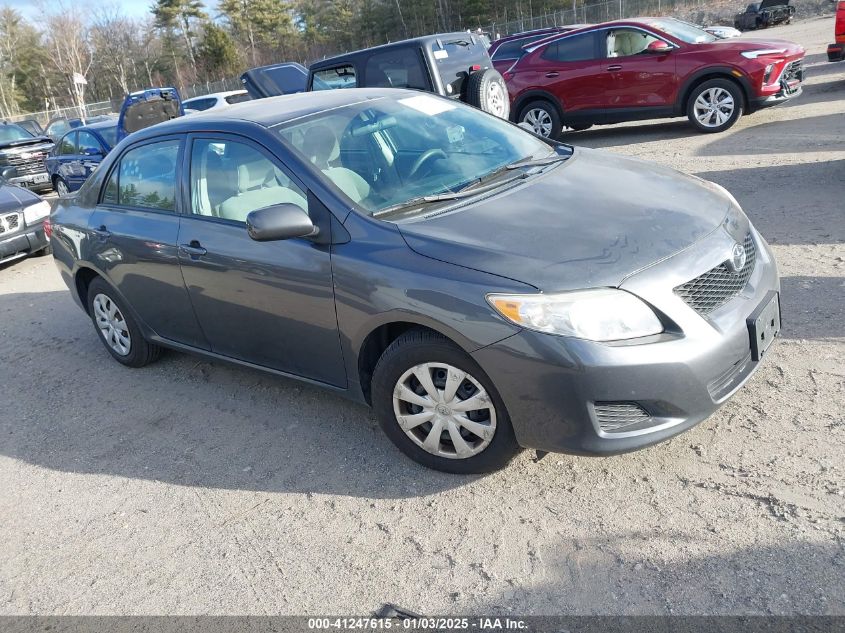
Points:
8	173
279	222
659	47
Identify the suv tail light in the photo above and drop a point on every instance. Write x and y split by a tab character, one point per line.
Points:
48	228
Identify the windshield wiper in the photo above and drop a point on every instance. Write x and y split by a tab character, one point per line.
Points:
466	192
537	162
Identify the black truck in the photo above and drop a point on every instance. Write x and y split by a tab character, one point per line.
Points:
761	15
25	155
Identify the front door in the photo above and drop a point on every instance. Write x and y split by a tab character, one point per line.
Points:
135	226
89	154
636	78
267	303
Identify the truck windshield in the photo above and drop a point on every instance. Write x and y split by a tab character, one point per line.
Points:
394	150
10	132
683	31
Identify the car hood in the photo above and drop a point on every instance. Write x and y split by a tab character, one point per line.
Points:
757	44
590	222
14	198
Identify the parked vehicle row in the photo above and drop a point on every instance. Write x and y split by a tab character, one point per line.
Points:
404	249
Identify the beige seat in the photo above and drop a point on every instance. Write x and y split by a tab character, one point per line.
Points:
322	148
627	43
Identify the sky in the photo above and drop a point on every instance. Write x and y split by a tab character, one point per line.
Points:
133	8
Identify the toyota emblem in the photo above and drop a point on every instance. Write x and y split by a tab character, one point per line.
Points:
738	257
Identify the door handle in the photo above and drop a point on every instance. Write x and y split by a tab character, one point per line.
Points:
614	67
552	74
193	249
102	232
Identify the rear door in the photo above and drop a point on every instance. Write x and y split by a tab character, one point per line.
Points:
267	303
136	224
569	68
633	77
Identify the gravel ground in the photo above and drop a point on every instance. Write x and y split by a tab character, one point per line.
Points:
193	487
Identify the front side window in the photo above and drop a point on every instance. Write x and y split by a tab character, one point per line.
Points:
391	150
230	179
335	77
627	42
575	48
68	145
145	177
88	144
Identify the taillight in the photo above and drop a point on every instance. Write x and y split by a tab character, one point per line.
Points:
474	68
48	228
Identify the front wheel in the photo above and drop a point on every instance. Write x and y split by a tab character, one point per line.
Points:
541	117
438	407
715	105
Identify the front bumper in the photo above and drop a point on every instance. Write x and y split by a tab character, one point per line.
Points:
22	243
34	182
551	384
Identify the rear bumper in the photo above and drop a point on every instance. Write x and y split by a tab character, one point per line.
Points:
835	52
30	240
553	387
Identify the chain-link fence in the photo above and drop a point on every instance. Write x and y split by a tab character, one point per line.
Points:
595	13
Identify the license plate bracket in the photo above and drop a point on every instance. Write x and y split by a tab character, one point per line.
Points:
764	325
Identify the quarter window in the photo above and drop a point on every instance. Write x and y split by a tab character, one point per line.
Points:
335	77
574	48
145	177
230	179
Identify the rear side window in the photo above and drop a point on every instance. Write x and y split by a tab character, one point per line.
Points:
145	177
335	77
575	48
199	104
238	98
513	49
400	68
68	144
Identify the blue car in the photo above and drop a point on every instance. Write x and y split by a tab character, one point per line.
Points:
78	153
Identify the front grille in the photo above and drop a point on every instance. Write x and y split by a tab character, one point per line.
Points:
26	163
10	222
614	417
718	285
794	71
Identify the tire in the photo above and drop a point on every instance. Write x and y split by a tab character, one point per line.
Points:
47	250
542	117
487	91
60	186
712	93
138	352
396	373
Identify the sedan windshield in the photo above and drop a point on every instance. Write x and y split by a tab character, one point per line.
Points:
11	132
683	31
396	150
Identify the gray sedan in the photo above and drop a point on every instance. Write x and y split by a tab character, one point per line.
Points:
483	289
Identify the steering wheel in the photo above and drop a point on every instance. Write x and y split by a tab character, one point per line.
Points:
424	158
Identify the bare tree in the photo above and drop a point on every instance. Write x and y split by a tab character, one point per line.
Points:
68	41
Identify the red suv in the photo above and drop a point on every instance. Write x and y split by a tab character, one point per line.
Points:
648	68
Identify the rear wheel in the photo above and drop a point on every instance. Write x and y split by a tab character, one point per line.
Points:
486	90
438	407
715	105
541	117
116	328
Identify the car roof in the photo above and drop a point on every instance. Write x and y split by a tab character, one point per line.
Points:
219	95
414	41
272	110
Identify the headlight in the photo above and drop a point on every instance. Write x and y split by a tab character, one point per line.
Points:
603	314
762	51
35	212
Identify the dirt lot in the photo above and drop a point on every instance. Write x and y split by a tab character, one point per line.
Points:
194	487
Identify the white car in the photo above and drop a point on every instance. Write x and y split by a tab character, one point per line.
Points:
723	32
215	100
